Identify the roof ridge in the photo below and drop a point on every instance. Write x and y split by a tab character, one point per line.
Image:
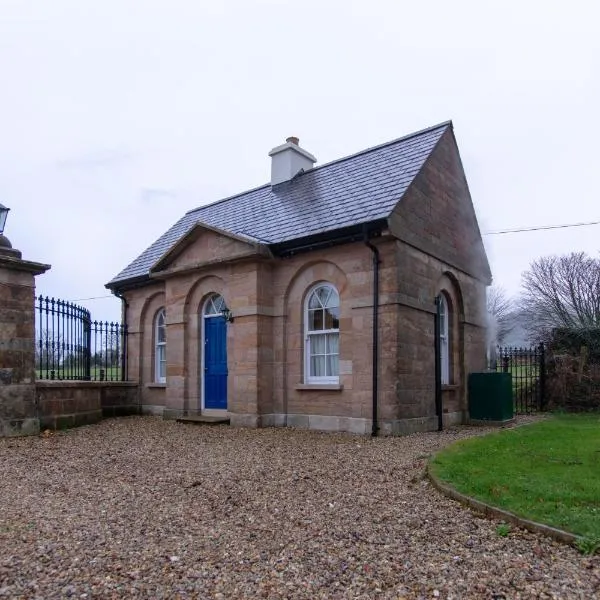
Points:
337	160
379	146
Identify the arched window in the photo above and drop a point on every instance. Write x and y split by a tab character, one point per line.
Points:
322	339
160	347
444	339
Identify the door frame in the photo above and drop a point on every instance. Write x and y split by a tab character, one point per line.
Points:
202	349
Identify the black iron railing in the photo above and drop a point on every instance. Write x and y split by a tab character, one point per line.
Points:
69	345
528	369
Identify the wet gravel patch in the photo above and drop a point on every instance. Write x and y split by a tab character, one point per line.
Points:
142	508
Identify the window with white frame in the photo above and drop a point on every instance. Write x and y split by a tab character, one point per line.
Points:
444	340
322	340
160	349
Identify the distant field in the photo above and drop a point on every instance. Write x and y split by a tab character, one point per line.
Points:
110	374
524	378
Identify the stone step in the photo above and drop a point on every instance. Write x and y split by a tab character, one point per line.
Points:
204	420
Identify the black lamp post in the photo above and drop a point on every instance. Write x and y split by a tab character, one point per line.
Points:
3	214
6	248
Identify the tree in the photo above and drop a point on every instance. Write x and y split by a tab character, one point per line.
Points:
108	345
501	314
49	350
561	292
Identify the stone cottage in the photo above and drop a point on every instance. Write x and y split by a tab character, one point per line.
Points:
311	301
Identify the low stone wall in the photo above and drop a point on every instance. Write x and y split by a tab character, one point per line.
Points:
63	404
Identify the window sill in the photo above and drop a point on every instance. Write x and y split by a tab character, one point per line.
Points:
449	386
336	387
155	384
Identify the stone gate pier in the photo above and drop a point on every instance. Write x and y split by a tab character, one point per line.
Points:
18	412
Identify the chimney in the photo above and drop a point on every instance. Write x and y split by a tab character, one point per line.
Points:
288	159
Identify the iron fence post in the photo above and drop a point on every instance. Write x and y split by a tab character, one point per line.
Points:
88	349
124	353
542	376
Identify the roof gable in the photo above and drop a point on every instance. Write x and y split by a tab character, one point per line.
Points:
437	214
203	245
358	189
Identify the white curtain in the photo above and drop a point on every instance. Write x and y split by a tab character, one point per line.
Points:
324	350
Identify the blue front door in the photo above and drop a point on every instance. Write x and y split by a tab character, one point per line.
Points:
215	362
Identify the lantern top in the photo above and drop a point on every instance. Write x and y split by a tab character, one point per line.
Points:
3	214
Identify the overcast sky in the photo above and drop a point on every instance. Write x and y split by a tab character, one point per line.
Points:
118	116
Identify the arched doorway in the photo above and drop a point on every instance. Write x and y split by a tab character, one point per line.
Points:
214	354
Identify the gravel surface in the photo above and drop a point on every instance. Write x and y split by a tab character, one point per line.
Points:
140	507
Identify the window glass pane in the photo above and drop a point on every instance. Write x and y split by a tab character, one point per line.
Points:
333	300
315	320
214	305
445	361
444	348
313	301
444	323
332	365
317	366
161	331
161	362
332	318
160	327
443	307
317	344
323	293
333	343
219	304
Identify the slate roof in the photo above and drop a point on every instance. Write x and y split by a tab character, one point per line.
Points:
360	188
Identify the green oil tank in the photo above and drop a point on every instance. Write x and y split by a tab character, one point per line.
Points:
490	396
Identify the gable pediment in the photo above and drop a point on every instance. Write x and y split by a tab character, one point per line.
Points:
204	245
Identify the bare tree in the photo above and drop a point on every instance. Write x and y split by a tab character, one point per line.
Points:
49	350
501	314
561	291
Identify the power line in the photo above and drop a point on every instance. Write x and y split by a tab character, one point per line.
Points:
500	232
542	228
93	298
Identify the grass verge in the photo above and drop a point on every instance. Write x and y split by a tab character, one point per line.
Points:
548	472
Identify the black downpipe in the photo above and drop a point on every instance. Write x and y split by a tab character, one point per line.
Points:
438	363
124	357
376	262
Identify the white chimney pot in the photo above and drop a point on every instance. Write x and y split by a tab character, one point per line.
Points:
288	159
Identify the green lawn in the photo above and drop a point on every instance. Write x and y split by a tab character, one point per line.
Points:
548	471
523	376
110	373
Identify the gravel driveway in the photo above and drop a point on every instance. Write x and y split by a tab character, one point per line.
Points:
140	507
